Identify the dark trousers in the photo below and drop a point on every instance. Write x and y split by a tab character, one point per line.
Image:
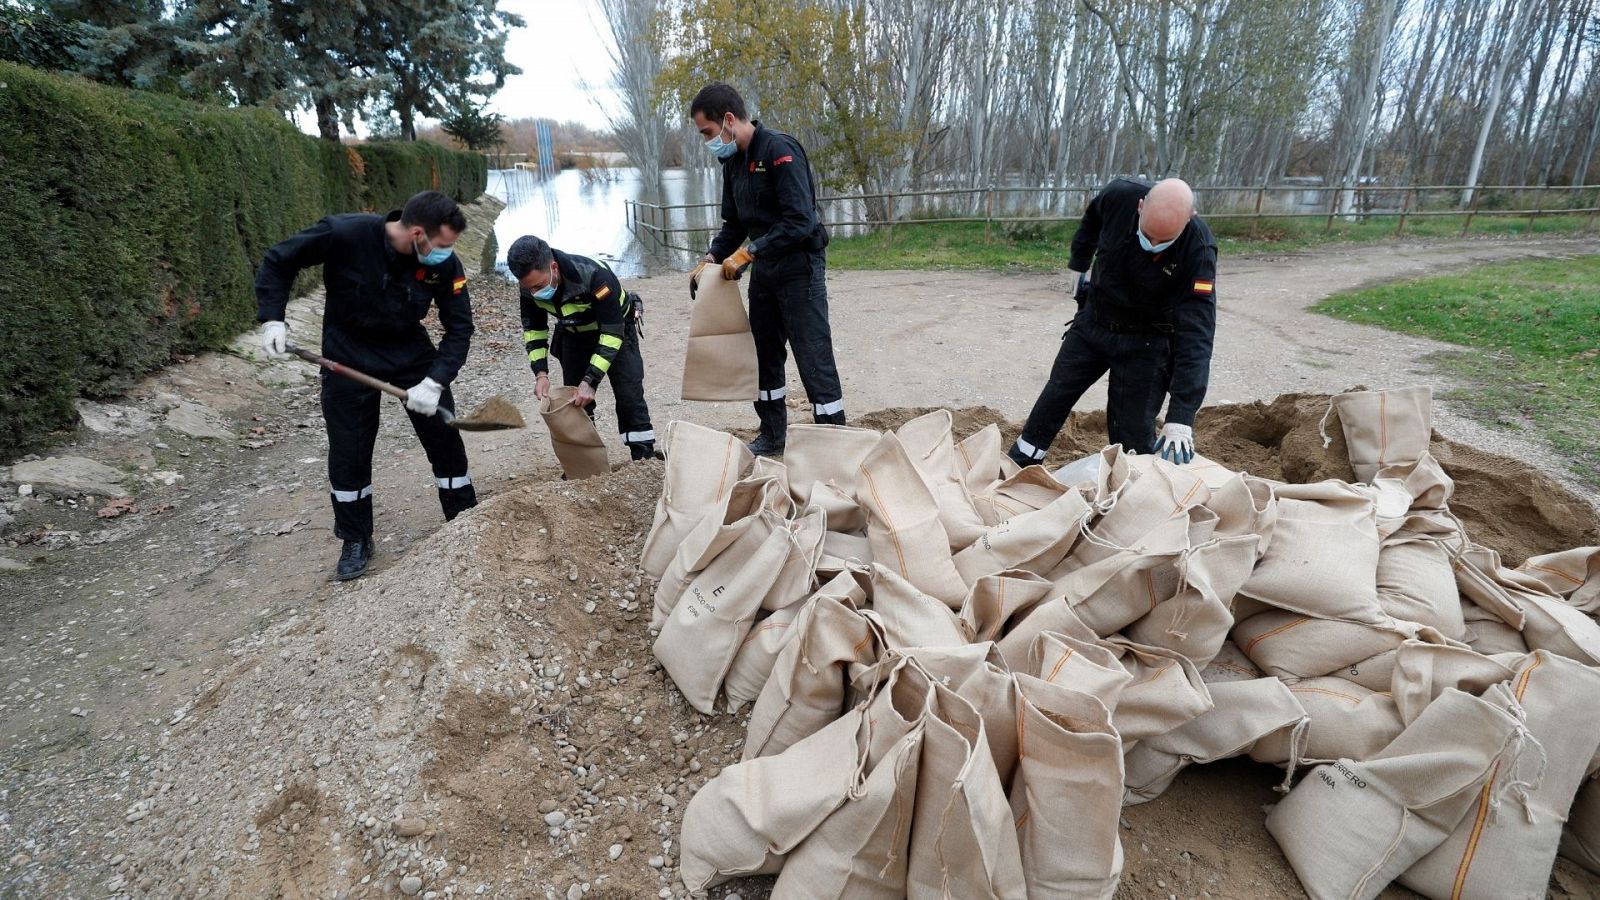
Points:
789	305
574	350
351	412
1140	366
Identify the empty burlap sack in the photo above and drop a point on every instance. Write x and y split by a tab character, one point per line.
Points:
788	594
1166	691
861	849
1196	621
1290	645
842	513
719	361
1245	505
903	523
1488	634
743	821
754	505
1490	856
1053	615
829	455
1031	488
807	687
997	599
702	467
1244	712
1383	428
979	676
1088	666
572	433
1189	484
708	624
1323	559
1548	622
1580	839
1423	671
1126	582
909	617
1349	828
963	841
840	551
1035	541
1230	664
1345	721
1100	476
1416	583
930	442
979	458
1066	799
1573	575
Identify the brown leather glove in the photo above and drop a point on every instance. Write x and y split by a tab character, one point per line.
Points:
694	277
733	266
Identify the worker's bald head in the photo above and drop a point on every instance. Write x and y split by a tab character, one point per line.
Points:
1166	210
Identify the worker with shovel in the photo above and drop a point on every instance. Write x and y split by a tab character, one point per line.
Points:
574	307
381	274
1145	270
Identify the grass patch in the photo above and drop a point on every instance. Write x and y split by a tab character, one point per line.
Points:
1044	247
1531	330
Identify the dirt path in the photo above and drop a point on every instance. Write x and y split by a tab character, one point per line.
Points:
116	627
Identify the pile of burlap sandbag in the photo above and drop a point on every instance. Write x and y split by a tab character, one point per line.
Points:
961	671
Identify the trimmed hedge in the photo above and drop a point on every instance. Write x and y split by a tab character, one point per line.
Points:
131	224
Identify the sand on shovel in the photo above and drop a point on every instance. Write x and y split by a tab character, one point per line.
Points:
494	414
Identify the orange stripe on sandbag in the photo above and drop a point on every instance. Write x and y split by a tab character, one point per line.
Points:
1274	632
1483	798
1558	573
894	534
1317	690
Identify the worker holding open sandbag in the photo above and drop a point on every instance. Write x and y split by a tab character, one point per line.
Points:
1145	269
769	195
579	302
381	274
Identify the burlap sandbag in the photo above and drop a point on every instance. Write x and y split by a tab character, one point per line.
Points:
1573	575
719	360
1166	691
1122	583
1245	505
979	676
1488	633
578	446
909	617
1230	664
1416	583
979	458
826	454
1082	665
1031	488
1035	541
963	841
807	687
1290	645
709	623
1423	671
1196	621
1384	428
1244	713
1345	721
1053	615
840	551
995	600
743	821
903	523
702	467
749	507
1490	856
1349	828
1376	673
1323	559
842	513
860	851
930	442
1066	797
788	594
1548	622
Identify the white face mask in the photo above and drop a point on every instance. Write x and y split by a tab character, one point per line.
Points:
722	149
1154	248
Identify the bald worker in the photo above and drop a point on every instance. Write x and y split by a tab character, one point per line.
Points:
1144	267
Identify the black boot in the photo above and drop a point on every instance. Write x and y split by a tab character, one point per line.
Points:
766	445
774	428
830	418
644	450
353	560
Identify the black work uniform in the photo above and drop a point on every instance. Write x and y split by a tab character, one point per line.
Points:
596	336
1149	318
376	301
769	195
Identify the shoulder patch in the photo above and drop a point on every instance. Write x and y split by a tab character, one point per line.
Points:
786	158
1206	288
458	285
603	292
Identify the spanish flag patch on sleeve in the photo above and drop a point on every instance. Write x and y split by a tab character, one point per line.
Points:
603	292
458	285
1205	287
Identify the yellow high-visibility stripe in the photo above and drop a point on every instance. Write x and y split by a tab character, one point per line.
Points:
529	337
569	309
536	355
600	363
611	340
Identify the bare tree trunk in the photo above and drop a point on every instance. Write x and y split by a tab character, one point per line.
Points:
1516	13
1361	91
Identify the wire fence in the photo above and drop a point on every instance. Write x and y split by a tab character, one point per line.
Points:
688	226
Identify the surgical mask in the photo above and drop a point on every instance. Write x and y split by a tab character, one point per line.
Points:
1153	248
546	292
722	149
433	257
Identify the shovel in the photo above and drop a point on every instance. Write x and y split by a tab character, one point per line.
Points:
496	413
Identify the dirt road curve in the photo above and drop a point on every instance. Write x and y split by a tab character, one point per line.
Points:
108	633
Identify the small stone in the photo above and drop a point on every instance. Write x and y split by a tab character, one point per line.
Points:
575	892
615	852
410	885
410	826
548	806
657	862
694	765
732	897
589	607
323	759
555	819
619	673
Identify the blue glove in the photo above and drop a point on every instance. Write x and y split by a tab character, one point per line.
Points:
1176	443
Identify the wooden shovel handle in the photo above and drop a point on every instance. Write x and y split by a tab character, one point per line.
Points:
341	369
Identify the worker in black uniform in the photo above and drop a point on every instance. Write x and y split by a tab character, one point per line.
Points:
596	333
769	195
382	273
1144	267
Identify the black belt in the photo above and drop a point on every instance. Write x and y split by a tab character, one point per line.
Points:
1117	327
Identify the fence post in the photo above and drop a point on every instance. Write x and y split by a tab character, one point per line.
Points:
1333	207
1405	207
1255	224
988	210
892	212
1593	209
1538	206
1471	211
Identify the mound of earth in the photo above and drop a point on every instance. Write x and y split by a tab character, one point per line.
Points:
485	717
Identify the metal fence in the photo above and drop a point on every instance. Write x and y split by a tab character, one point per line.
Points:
662	225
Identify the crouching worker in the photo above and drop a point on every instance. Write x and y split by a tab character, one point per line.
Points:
382	273
575	308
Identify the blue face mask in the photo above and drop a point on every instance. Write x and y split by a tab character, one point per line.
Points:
722	149
433	257
545	293
1153	248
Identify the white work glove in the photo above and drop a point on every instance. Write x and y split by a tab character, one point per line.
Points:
275	339
1176	443
424	398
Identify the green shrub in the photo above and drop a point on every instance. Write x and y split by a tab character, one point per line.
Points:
132	224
